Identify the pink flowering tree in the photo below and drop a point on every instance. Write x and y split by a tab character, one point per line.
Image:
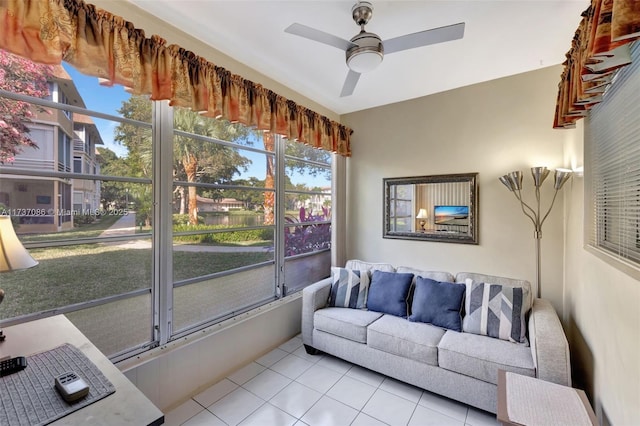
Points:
19	75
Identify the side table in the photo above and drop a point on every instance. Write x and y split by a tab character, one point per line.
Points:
524	400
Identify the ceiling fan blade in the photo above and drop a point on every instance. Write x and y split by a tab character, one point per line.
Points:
424	38
350	83
319	36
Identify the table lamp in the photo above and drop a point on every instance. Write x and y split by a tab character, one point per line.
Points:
13	256
422	215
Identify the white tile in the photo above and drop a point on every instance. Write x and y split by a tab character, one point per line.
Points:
402	389
302	353
269	415
365	375
236	406
336	364
267	384
215	392
300	423
329	412
272	357
292	344
389	408
352	392
246	373
424	416
319	378
477	417
364	420
182	413
291	366
444	405
296	399
205	418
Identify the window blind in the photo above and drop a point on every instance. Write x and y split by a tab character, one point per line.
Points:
613	163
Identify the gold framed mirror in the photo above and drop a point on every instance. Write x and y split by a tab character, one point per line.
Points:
433	208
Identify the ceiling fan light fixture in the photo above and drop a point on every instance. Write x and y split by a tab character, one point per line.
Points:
364	60
367	53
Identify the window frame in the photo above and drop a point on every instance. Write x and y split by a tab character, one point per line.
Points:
161	286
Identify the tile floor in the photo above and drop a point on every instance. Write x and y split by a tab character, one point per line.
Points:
288	387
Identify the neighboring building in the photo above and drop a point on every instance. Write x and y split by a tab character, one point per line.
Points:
86	193
65	143
221	205
318	201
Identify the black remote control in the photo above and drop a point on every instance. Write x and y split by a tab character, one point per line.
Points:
12	365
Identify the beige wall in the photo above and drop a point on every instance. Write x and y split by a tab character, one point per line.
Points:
490	128
602	316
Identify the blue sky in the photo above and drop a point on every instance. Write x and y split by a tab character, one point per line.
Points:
109	99
103	99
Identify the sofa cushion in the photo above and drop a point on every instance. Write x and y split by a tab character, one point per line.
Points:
495	310
481	357
347	323
395	335
437	303
388	293
369	266
434	275
349	288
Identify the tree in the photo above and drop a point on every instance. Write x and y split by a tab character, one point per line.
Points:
194	160
269	141
19	75
110	165
204	161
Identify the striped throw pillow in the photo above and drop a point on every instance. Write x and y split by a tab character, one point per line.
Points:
349	288
495	310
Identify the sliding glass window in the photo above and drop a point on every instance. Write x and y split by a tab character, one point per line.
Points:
150	222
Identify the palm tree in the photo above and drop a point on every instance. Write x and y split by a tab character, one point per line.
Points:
269	196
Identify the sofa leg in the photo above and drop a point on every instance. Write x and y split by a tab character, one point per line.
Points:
311	350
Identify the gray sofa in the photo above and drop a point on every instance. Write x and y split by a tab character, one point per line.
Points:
459	365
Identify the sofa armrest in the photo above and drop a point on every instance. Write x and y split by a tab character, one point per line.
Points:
314	297
549	346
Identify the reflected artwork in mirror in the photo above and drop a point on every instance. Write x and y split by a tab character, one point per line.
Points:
432	208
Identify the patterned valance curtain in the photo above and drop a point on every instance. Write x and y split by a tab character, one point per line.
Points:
103	45
600	46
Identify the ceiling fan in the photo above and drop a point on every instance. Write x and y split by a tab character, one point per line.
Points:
365	50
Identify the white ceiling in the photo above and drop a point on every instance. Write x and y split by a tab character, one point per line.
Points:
501	38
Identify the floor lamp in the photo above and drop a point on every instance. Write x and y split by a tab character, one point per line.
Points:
513	181
13	256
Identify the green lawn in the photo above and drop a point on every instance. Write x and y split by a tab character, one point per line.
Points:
75	274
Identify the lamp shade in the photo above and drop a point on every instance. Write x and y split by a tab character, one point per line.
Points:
516	180
422	214
561	176
13	255
506	182
539	175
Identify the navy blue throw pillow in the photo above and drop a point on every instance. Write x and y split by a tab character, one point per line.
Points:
438	303
388	293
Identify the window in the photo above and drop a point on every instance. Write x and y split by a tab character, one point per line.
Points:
77	164
400	207
613	164
213	219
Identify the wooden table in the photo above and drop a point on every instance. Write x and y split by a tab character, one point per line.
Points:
127	406
524	400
